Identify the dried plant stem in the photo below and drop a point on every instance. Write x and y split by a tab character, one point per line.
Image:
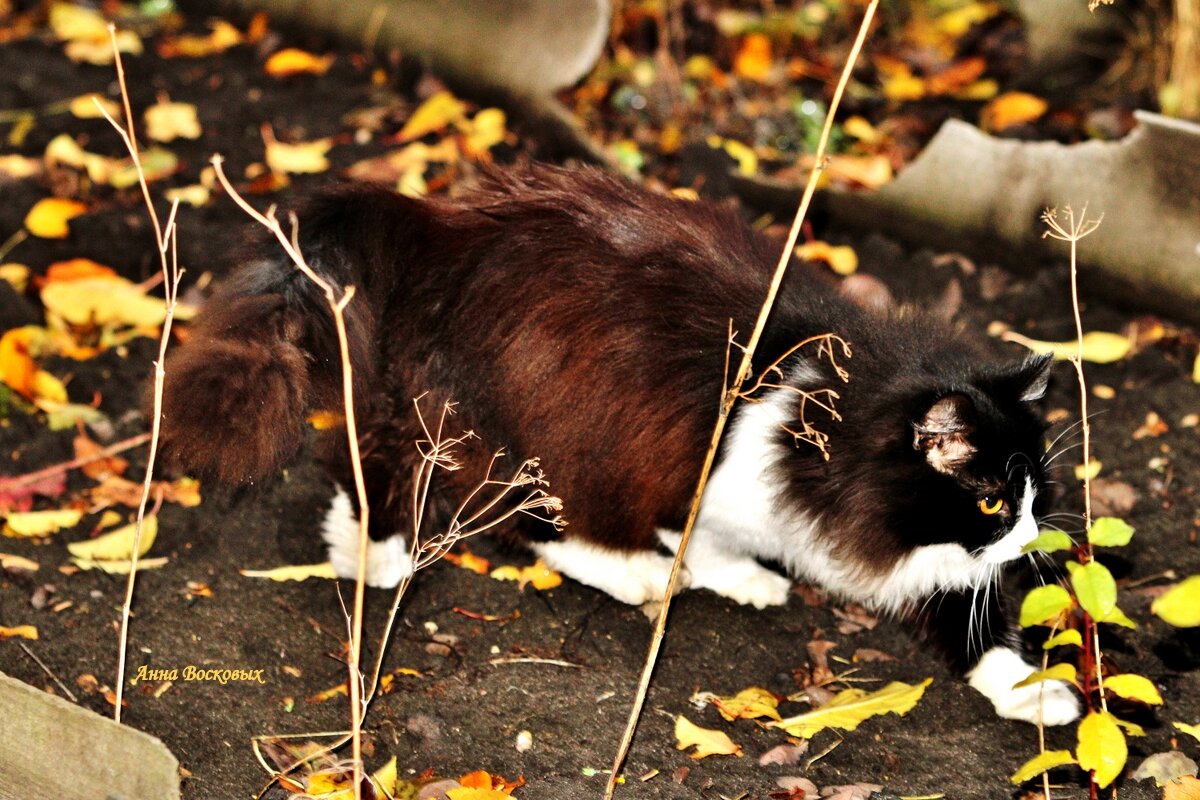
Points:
17	481
1072	230
337	306
727	402
165	239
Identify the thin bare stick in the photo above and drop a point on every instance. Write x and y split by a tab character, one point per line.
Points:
17	481
46	670
168	256
728	401
338	307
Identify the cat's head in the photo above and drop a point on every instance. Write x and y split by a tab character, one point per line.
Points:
950	482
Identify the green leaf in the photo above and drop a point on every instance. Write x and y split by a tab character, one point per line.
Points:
1064	638
1110	532
1180	606
1101	747
1048	542
1133	687
1043	605
1059	672
851	707
1096	591
1040	763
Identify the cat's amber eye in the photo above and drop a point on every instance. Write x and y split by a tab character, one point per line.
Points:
991	506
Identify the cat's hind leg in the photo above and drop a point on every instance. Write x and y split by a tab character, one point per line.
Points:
730	574
631	576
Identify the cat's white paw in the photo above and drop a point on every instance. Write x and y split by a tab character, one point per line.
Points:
738	577
388	562
632	577
1051	702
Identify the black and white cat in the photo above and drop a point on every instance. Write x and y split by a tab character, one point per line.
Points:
584	320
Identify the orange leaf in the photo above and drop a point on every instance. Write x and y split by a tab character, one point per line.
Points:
468	560
48	217
17	368
753	59
957	76
1011	108
76	269
292	61
23	631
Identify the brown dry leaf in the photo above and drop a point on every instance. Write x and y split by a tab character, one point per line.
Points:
707	742
866	654
956	77
784	755
48	217
1011	108
293	61
166	121
754	59
1153	427
19	631
102	467
435	114
841	258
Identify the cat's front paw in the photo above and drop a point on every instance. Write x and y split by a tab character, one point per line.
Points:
758	587
1051	702
388	562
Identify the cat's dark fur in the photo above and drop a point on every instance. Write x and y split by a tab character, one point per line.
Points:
583	320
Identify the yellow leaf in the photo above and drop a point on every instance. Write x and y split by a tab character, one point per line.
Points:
16	274
1088	471
117	544
296	573
1059	672
292	61
48	217
744	155
1040	763
1101	747
862	130
1099	347
325	420
707	742
166	122
537	575
958	21
1011	108
299	158
87	106
384	778
16	166
157	163
868	171
749	703
40	523
1180	606
753	59
22	631
102	302
841	259
222	37
69	21
119	567
1190	730
195	195
1196	369
10	561
48	387
18	370
99	51
434	114
851	707
483	132
471	793
1133	687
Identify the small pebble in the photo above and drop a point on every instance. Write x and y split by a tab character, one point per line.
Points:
524	741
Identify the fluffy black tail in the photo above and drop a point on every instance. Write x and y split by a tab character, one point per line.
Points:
265	354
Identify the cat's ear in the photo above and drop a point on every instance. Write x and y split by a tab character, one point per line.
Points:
1033	376
943	434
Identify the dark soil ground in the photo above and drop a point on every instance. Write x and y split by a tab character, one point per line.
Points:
496	678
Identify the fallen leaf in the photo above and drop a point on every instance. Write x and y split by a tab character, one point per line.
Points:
118	544
853	706
784	755
483	132
157	164
1191	730
1180	606
293	61
1101	747
298	158
120	567
99	51
76	269
1040	763
102	302
97	468
194	195
19	631
469	561
1112	498
14	562
707	742
1186	788
167	121
222	37
87	106
1088	471
751	703
754	59
40	523
435	114
852	791
294	573
48	217
1011	108
1099	347
19	497
1165	768
19	167
537	575
841	258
